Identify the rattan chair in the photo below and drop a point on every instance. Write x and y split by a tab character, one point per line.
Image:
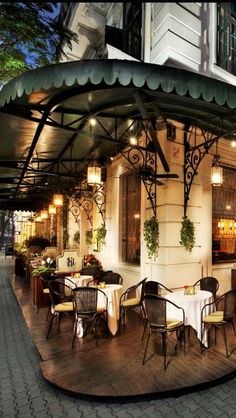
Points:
44	279
94	271
223	316
61	298
158	322
109	277
129	301
210	284
154	288
85	300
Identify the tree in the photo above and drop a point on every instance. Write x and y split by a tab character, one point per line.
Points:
6	226
31	35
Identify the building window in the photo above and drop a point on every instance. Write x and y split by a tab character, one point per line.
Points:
226	36
130	219
132	25
224	218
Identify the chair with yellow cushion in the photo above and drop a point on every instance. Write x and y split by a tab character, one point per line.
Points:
158	322
222	316
61	298
132	298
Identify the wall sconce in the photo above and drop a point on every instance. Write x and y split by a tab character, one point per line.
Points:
58	200
44	214
216	170
94	174
52	210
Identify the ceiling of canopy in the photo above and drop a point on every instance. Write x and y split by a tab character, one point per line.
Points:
46	135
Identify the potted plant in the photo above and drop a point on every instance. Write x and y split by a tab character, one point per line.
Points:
151	236
89	237
187	234
100	234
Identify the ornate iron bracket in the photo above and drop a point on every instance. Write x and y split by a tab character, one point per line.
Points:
193	155
144	162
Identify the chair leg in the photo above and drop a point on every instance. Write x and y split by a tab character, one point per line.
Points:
75	330
164	349
233	326
144	330
59	323
203	328
145	351
50	326
225	340
49	310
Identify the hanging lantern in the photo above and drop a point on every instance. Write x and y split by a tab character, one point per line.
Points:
216	172
44	214
216	169
58	200
52	210
94	174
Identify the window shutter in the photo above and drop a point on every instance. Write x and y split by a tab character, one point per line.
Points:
224	40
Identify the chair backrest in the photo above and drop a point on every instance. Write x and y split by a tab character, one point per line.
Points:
155	308
229	299
59	292
86	299
154	288
45	276
96	272
141	287
210	284
110	277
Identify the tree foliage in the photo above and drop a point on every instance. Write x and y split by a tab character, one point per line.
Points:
31	35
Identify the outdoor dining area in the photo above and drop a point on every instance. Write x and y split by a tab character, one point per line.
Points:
119	176
98	339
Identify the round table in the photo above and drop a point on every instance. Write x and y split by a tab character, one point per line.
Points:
192	305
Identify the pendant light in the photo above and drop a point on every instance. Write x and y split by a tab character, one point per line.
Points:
94	174
216	170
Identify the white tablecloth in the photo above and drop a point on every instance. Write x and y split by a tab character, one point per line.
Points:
78	281
113	293
192	305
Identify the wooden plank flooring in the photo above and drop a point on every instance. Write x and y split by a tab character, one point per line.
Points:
114	370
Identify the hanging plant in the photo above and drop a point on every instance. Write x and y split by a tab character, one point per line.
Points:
65	238
76	237
101	234
89	237
187	234
151	236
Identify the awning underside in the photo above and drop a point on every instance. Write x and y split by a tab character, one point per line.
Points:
46	137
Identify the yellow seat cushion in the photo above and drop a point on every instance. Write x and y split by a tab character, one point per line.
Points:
172	323
214	317
64	307
46	291
130	302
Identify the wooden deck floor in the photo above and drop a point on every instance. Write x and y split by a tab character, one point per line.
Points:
114	370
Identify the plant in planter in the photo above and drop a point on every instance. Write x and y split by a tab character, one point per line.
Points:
187	234
101	235
151	236
39	270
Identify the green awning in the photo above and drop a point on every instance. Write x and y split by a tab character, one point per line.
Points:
124	73
44	129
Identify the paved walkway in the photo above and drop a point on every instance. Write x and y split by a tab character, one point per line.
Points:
24	393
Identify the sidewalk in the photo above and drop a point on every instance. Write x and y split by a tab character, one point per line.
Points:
24	393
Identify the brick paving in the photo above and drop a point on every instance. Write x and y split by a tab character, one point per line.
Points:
24	393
